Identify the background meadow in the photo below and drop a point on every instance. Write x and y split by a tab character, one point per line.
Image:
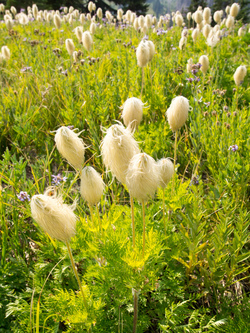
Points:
194	277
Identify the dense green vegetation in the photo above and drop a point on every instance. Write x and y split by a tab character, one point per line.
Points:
194	277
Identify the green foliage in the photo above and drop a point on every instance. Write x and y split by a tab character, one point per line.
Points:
195	277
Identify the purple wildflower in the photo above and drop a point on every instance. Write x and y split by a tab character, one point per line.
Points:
71	127
233	148
190	79
22	196
25	69
57	179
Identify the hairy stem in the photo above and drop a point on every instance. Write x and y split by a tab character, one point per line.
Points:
144	228
133	220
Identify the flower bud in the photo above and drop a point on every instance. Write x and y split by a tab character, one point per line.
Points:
92	185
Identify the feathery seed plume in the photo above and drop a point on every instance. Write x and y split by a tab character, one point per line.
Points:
92	185
177	113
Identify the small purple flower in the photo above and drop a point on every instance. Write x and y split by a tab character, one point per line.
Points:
57	179
65	72
194	71
25	39
22	10
22	196
25	69
207	104
197	79
71	127
233	148
190	79
194	181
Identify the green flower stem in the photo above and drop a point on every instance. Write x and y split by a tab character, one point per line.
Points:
133	220
175	148
144	228
135	310
76	274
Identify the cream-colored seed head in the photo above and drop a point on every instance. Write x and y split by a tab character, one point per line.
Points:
92	28
118	147
212	39
234	10
53	216
65	9
92	185
5	52
136	23
75	56
206	14
166	171
230	22
142	177
87	40
88	17
179	20
189	65
1	58
13	10
78	32
70	46
241	32
182	42
239	75
9	24
132	112
141	21
142	54
217	16
23	19
189	16
90	6
128	15
71	9
151	47
195	34
99	13
57	21
205	63
133	17
2	7
70	146
148	19
35	10
206	30
198	17
177	113
227	10
82	18
119	14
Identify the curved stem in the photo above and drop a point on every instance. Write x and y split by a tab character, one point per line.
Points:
76	274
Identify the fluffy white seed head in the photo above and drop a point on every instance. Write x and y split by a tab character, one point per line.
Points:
128	15
179	20
206	29
5	52
132	112
217	16
241	32
198	17
151	47
205	63
13	10
239	75
141	21
166	171
189	16
9	24
189	65
90	6
142	177
119	14
206	14
92	185
2	7
136	23
148	19
99	13
118	147
53	216
70	146
177	113
212	39
92	28
78	32
57	21
230	22
195	34
82	18
142	54
227	10
70	46
234	10
35	10
182	42
23	19
87	40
